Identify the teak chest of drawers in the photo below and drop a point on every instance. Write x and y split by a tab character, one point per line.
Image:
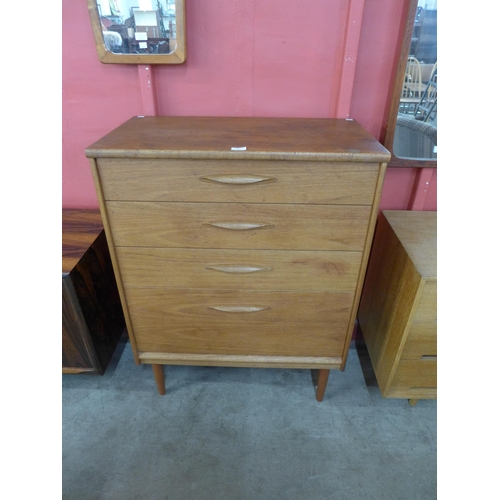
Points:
239	241
398	309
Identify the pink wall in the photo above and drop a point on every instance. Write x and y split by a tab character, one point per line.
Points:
244	58
256	58
380	39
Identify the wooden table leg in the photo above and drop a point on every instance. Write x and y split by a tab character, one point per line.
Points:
159	377
322	381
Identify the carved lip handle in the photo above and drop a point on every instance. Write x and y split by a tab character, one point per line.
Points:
238	179
239	226
238	269
239	309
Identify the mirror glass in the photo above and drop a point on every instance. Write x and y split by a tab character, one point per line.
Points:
138	31
415	135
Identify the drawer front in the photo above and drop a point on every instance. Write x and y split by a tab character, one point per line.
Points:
421	342
416	374
235	225
238	181
238	322
239	269
426	312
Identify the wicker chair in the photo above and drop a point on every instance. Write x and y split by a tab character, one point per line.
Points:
414	138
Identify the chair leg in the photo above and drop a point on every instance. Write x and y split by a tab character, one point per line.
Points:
322	381
159	377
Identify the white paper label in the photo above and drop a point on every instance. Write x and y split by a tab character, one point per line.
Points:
244	148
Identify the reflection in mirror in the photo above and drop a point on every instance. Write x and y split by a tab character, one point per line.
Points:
416	126
138	31
128	28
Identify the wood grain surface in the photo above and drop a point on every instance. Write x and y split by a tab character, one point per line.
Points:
284	323
264	138
192	225
188	180
92	315
417	232
79	230
398	308
246	257
238	269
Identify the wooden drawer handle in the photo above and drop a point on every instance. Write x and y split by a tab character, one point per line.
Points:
239	226
239	309
239	269
238	179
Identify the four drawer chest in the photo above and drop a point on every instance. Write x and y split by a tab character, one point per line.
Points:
239	241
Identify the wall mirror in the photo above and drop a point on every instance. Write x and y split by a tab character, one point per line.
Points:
412	126
139	31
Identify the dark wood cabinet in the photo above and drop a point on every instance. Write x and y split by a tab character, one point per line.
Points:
92	316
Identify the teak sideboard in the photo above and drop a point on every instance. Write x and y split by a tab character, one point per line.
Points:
239	241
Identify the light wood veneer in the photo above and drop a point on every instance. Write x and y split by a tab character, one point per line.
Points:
398	309
239	258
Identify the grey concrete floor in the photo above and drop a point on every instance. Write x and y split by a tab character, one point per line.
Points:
238	434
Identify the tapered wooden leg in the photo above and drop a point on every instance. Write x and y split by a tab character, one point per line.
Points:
413	402
159	377
322	381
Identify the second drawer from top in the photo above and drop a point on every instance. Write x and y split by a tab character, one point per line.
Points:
239	225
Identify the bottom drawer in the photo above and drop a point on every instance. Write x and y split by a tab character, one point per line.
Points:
239	322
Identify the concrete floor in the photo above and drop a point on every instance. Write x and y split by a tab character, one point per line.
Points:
238	434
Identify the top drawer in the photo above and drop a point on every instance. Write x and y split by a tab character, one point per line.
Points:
248	181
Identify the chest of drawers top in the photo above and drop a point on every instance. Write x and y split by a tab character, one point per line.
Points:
262	138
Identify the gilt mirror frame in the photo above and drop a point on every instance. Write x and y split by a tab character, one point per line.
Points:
388	141
177	56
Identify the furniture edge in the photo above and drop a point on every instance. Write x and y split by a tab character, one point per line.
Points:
114	260
238	156
240	360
